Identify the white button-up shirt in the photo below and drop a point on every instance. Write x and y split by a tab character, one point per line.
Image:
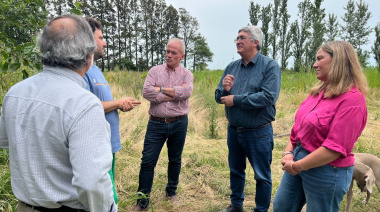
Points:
59	142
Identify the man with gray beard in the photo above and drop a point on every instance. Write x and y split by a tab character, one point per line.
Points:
55	130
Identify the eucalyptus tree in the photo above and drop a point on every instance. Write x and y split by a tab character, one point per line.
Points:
122	11
148	29
332	27
159	41
134	29
188	27
171	22
265	19
110	33
98	9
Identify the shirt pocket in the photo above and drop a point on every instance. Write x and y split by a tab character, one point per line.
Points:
325	118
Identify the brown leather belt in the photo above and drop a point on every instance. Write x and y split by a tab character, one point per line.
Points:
167	120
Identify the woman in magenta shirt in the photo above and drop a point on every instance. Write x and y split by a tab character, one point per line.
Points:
318	159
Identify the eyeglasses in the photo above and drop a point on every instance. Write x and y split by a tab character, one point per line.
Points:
240	38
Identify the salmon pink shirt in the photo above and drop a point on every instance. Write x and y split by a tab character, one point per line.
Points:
335	123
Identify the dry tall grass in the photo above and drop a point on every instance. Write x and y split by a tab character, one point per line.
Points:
204	179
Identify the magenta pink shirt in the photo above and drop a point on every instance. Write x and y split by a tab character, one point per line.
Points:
335	123
160	76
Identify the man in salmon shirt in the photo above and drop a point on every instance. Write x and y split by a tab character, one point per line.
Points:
168	87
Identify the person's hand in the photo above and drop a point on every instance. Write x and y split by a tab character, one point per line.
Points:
287	158
127	106
289	167
133	101
227	100
228	82
128	103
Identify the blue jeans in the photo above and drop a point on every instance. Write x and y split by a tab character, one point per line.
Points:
157	133
322	188
257	146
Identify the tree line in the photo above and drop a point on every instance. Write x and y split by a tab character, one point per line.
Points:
136	32
312	27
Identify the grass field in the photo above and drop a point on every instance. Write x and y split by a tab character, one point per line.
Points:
204	179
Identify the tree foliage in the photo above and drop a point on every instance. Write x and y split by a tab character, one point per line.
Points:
136	31
355	30
332	27
284	34
188	30
254	13
301	33
318	30
201	53
20	20
301	38
376	46
265	19
276	24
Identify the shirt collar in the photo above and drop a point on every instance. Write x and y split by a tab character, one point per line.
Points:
174	69
254	59
67	73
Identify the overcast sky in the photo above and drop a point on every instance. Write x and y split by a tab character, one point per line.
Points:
220	20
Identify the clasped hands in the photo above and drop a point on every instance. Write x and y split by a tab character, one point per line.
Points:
227	83
291	166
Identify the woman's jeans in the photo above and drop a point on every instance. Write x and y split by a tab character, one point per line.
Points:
257	146
322	188
157	133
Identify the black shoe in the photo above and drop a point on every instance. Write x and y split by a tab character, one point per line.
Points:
232	208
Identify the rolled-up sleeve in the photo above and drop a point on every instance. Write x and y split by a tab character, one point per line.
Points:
149	93
184	92
91	159
344	130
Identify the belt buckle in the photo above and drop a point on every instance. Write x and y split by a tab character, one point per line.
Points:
166	120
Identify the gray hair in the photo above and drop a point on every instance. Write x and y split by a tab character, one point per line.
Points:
66	46
180	41
255	34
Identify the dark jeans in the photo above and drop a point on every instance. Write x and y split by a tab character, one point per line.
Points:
157	133
257	146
